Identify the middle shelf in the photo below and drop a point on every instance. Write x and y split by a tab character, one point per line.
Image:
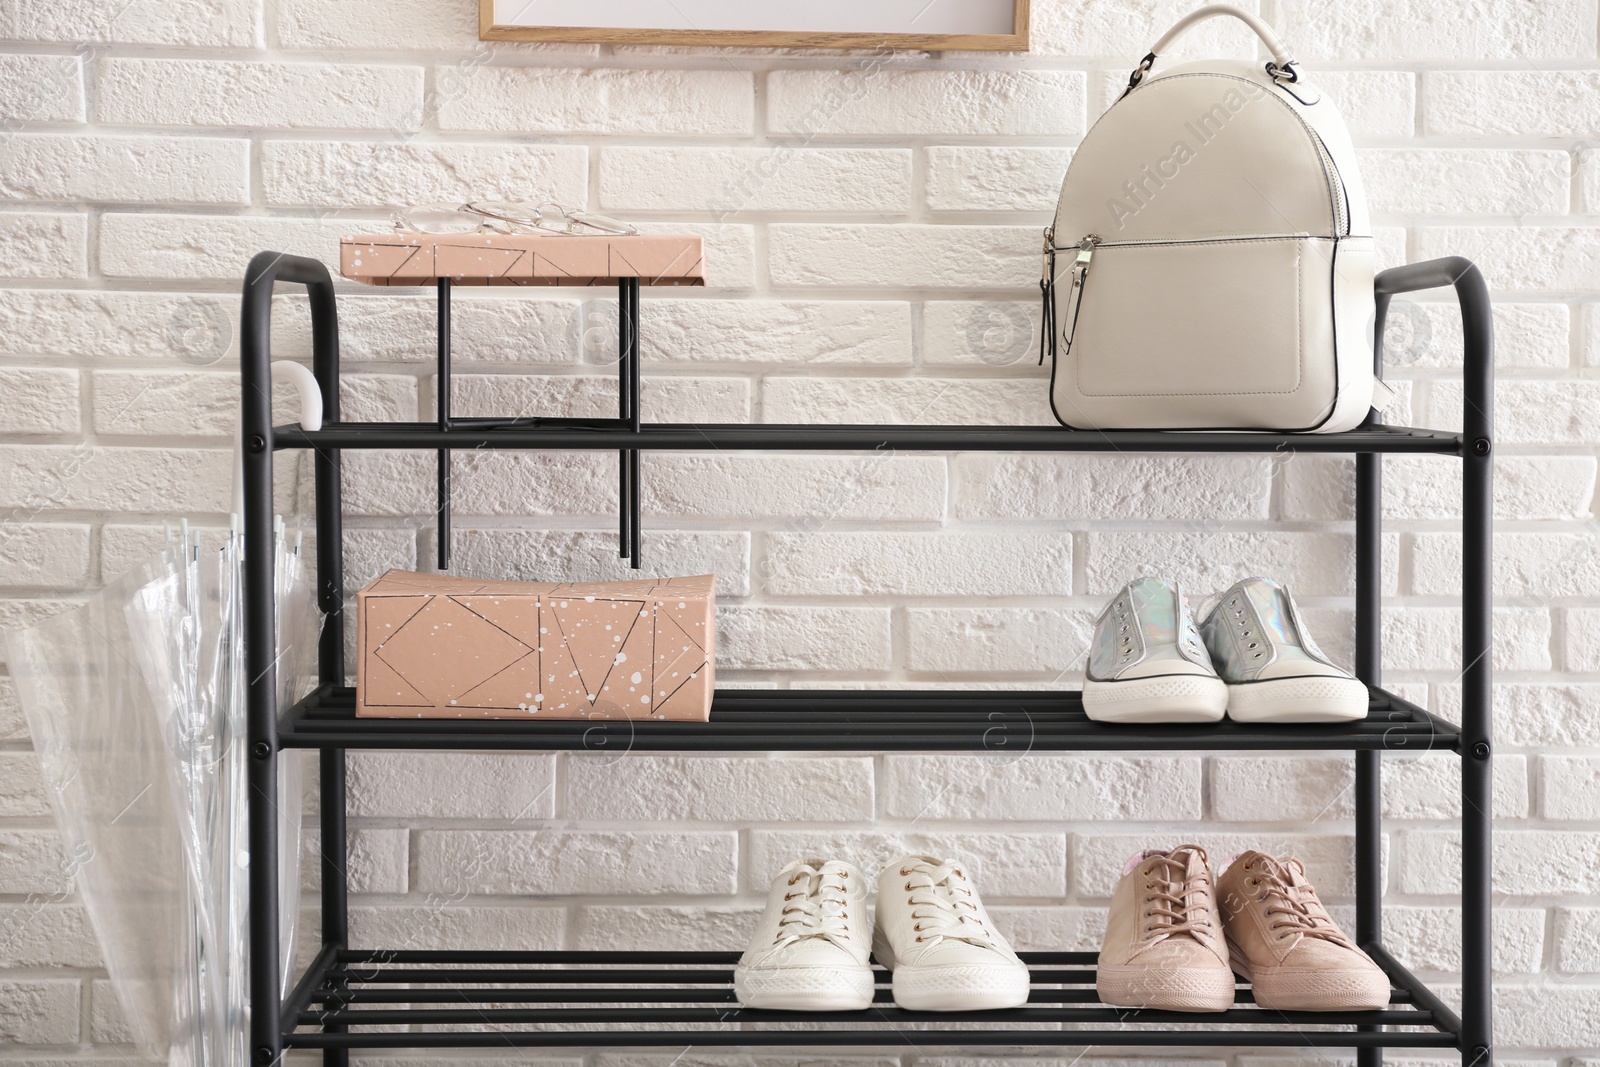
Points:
1002	722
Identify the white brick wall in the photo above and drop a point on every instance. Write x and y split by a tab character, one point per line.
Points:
871	226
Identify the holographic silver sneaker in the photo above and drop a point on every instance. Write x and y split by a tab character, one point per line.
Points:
1147	662
1274	670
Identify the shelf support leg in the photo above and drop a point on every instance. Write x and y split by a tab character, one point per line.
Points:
260	641
1477	622
256	440
634	370
1369	668
330	662
1477	604
335	865
628	411
624	413
443	509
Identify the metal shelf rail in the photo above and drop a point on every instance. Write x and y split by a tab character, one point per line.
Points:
378	998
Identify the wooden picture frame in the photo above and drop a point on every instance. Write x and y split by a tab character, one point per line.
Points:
1014	41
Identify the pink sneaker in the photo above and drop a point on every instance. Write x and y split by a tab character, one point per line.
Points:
1282	939
1164	946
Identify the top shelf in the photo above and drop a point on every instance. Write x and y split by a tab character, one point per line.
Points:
612	434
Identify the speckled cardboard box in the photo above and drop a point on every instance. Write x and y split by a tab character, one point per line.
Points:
437	647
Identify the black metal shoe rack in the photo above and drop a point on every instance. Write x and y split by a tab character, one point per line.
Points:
374	998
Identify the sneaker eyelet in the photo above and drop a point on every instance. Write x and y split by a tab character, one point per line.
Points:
908	887
904	872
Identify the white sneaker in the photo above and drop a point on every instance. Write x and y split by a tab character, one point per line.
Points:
1274	670
933	933
810	951
1147	662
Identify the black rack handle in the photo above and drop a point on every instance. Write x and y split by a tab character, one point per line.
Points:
260	629
1477	583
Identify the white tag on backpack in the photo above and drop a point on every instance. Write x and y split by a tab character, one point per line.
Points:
1382	395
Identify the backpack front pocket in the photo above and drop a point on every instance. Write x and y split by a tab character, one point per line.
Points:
1197	318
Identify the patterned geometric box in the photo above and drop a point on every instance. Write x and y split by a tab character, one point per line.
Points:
433	646
522	259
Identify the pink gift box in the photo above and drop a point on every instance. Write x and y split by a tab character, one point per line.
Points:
433	646
522	259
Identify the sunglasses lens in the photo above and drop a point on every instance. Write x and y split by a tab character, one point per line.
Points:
603	223
516	214
580	221
440	220
504	217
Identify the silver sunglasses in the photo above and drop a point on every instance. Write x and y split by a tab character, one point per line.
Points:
507	218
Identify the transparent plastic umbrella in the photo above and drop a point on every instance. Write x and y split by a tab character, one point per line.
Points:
136	702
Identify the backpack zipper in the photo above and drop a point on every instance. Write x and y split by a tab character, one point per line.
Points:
1224	238
1341	201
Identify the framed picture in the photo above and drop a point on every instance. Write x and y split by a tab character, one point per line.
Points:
923	25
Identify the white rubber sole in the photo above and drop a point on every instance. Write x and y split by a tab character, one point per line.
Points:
1167	988
1303	699
955	988
1357	988
1164	698
804	988
960	988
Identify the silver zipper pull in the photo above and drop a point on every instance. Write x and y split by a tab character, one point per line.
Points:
1047	290
1080	266
1080	272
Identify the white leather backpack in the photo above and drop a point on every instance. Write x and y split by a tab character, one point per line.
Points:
1211	261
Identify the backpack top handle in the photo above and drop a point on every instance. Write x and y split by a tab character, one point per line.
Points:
1281	67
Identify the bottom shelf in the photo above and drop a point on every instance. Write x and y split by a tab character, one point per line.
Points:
405	999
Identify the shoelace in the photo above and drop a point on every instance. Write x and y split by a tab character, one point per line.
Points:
943	904
1292	903
1168	898
816	905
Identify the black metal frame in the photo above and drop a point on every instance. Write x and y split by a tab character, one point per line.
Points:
328	1007
459	433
